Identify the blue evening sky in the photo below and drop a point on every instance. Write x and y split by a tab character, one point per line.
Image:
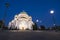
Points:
38	9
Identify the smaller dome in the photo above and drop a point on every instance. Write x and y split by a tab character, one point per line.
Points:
12	21
23	12
16	16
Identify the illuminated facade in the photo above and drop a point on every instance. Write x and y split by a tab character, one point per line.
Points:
21	21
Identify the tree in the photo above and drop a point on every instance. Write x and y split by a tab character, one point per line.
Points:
42	27
1	23
35	26
57	27
48	28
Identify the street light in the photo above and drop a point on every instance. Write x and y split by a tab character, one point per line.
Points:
7	6
37	20
40	21
52	13
5	14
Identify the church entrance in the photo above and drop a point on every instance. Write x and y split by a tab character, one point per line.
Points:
23	25
22	28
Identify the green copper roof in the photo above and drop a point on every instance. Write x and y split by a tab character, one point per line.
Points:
23	12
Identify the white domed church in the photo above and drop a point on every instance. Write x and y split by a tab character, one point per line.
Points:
21	21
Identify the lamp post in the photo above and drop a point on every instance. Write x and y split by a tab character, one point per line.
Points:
52	13
7	6
37	22
5	13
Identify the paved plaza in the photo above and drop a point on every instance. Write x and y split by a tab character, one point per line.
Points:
29	35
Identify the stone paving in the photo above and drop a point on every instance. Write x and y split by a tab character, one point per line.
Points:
29	35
